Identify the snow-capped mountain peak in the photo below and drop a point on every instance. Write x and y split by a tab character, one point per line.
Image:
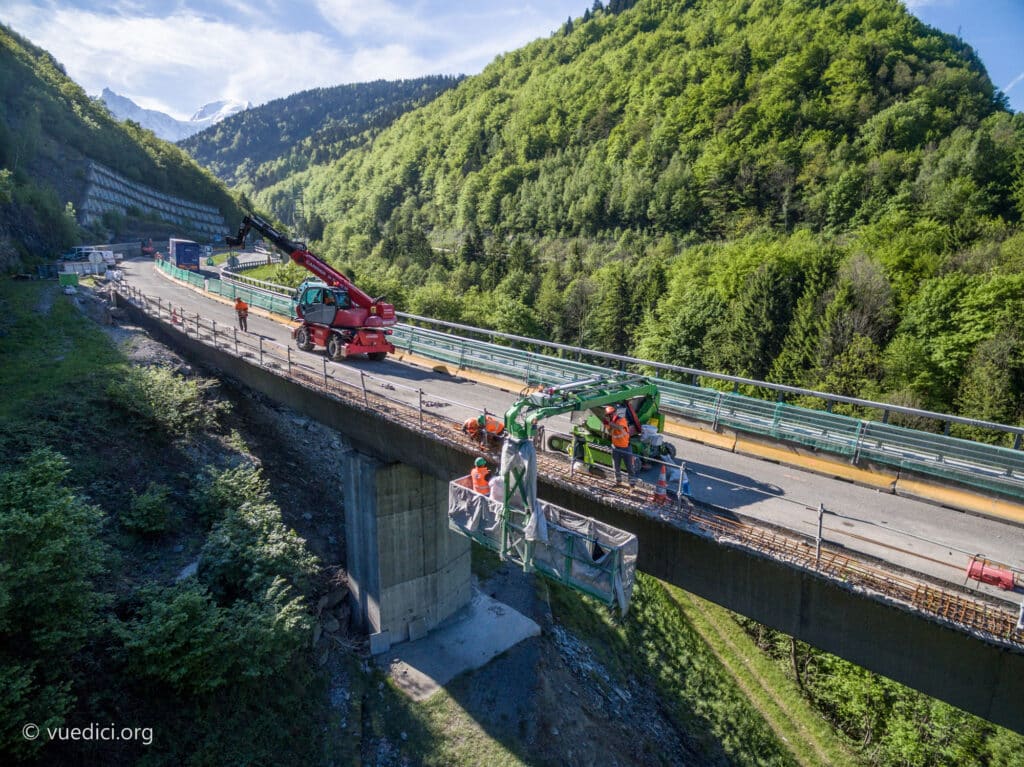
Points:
165	126
216	111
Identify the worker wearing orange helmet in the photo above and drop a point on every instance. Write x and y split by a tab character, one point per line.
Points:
478	476
485	428
622	450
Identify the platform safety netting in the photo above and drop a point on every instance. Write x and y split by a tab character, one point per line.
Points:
580	552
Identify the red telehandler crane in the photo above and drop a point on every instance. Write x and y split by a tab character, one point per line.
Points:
335	313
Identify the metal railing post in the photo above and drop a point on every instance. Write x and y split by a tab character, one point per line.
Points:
718	408
421	406
235	332
288	353
159	309
856	445
261	351
325	371
362	382
817	548
214	333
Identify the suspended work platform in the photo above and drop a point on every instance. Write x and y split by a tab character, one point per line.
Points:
580	552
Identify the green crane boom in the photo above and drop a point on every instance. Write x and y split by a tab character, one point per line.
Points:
521	419
582	553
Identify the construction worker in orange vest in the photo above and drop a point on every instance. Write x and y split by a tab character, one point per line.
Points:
485	428
622	451
242	309
479	476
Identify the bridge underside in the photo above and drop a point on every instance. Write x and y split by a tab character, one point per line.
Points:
970	673
975	675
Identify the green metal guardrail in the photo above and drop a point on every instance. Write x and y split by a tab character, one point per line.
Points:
975	464
252	296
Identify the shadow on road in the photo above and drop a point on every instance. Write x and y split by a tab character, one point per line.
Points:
727	489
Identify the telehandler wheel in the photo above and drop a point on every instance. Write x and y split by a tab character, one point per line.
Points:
335	347
667	448
302	339
376	356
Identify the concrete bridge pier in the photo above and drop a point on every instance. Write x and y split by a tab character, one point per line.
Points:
407	571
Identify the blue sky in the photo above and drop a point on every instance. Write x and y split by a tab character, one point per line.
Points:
176	55
994	28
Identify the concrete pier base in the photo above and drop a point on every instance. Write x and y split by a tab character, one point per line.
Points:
407	570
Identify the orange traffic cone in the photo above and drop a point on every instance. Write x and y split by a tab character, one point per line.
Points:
660	489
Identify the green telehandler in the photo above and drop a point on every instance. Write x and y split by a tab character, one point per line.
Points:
634	397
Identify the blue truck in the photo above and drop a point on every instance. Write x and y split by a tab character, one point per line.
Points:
184	254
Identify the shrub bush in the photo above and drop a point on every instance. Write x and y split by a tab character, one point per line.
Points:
183	639
219	491
249	549
50	554
166	402
148	513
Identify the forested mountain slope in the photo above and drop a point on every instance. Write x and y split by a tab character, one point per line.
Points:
260	146
827	194
49	129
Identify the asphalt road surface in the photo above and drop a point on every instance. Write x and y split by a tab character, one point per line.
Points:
915	535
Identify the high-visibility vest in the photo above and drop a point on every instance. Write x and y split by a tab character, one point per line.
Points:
479	477
494	426
619	432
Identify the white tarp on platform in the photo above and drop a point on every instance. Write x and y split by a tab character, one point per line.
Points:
580	552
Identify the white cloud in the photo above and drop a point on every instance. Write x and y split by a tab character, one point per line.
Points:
177	59
353	18
914	5
179	62
1013	82
389	62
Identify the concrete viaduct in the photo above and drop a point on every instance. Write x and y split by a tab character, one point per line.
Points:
409	572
